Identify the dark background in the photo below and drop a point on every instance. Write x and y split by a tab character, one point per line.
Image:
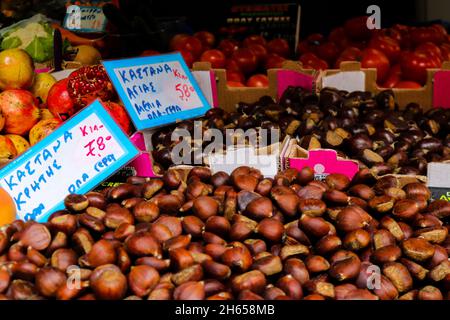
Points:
317	15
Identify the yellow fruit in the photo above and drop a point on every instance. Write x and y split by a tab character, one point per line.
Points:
7	149
19	142
16	69
46	114
7	208
42	129
87	55
42	84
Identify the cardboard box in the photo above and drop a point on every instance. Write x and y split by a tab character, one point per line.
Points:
229	97
423	96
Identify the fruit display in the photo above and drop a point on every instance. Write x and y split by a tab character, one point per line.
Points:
196	236
401	54
34	105
359	125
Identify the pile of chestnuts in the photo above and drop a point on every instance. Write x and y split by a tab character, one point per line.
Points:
359	125
193	235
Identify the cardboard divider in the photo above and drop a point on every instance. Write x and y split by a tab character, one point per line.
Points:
229	97
423	96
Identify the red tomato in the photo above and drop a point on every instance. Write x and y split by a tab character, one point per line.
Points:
408	85
254	39
274	61
414	66
191	44
426	34
228	46
356	28
245	59
373	58
258	80
206	38
259	51
389	32
311	61
235	76
328	51
188	57
431	50
176	40
445	49
338	36
235	84
311	43
388	46
439	28
279	46
349	54
393	77
148	53
232	65
215	57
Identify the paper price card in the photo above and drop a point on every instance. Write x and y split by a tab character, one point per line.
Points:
74	159
157	90
85	19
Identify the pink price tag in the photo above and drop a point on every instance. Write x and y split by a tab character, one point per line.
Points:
325	162
441	98
286	78
143	163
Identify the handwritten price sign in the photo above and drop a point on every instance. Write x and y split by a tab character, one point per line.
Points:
85	19
157	90
74	159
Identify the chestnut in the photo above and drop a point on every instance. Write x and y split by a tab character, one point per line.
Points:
48	280
142	279
108	282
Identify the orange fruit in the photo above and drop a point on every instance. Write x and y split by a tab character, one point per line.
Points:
7	208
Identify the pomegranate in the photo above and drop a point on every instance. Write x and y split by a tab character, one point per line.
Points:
42	129
20	143
89	83
20	109
2	120
17	69
7	149
59	102
119	114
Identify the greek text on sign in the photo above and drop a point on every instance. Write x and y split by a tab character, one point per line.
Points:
157	90
85	19
74	159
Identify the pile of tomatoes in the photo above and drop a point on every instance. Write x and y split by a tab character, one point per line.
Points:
246	62
401	54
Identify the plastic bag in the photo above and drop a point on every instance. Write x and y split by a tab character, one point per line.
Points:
34	35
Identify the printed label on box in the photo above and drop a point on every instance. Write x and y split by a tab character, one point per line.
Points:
157	90
207	83
325	162
438	180
346	80
75	158
234	158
